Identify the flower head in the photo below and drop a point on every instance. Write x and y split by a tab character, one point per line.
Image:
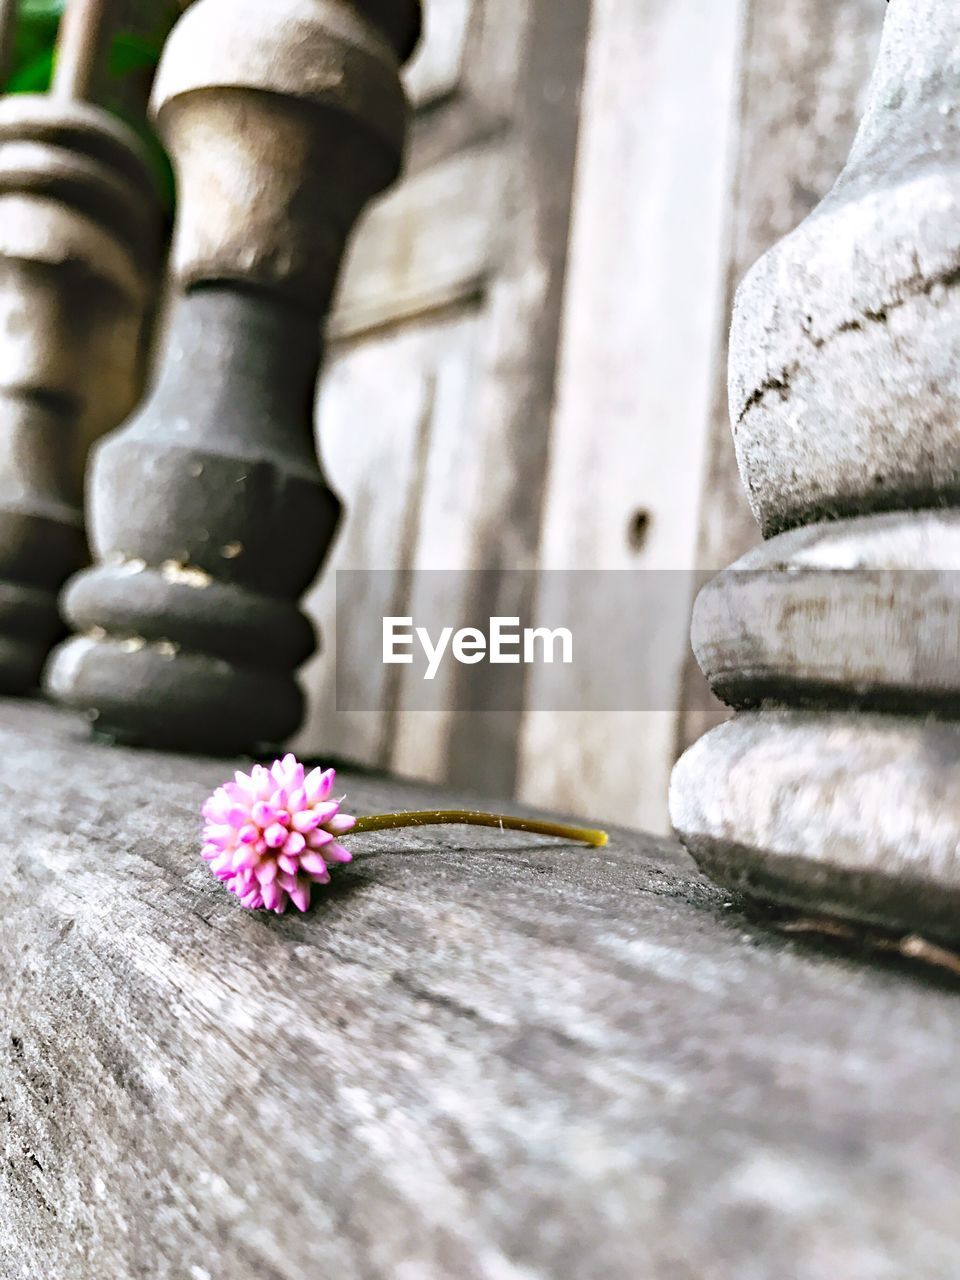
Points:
270	834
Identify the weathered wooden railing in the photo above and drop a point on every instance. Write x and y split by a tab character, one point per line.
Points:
845	792
210	515
484	1056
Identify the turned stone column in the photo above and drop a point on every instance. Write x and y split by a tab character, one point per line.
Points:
80	240
209	514
837	786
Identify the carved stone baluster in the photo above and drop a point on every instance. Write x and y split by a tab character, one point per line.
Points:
80	238
209	513
838	785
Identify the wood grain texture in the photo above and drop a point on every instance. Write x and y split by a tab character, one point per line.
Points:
503	462
478	1057
641	314
430	244
380	451
463	275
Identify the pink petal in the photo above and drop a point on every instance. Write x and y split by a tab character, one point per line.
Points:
313	863
275	835
272	896
243	883
248	834
341	824
319	838
295	844
287	863
300	896
219	831
288	772
337	853
262	782
318	784
263	814
305	820
266	872
287	880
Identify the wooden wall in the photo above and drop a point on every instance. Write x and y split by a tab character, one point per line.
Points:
527	357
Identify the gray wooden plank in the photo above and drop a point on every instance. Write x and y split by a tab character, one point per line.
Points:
428	245
391	416
641	314
511	419
473	242
479	1056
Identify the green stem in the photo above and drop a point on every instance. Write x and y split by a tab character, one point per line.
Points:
475	818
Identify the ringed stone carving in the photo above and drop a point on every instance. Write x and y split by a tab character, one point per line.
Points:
209	513
837	787
80	244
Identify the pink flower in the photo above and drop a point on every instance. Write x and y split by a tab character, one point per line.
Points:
272	833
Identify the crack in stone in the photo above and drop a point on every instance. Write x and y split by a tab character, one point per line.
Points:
911	290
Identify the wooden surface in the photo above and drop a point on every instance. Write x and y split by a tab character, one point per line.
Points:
479	1056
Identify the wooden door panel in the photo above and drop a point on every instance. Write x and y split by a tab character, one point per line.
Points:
428	245
376	450
451	298
642	312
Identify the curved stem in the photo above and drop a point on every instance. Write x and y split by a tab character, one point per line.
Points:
476	818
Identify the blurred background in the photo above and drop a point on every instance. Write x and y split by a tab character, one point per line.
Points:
527	360
134	33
